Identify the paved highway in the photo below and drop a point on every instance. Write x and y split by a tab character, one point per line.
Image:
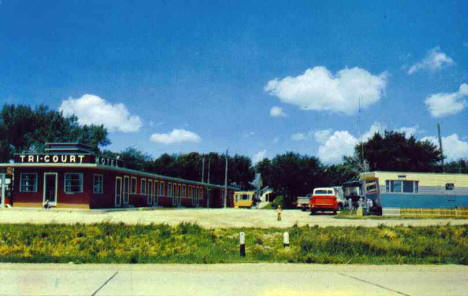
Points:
232	279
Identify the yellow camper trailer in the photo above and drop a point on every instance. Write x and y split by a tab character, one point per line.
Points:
244	199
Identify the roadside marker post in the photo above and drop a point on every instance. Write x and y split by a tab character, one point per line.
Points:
242	244
286	240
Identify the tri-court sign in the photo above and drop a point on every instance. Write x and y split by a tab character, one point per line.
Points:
65	159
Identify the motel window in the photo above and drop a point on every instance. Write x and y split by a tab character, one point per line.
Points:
169	189
183	191
28	182
133	185
98	184
449	186
401	186
143	186
161	189
73	182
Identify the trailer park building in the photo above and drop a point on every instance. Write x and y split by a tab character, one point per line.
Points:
70	175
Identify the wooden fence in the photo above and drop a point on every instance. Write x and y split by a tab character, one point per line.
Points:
449	213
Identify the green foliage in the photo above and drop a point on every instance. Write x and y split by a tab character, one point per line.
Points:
278	201
291	175
394	152
460	166
189	166
26	129
189	243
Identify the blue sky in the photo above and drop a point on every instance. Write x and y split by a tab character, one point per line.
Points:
180	76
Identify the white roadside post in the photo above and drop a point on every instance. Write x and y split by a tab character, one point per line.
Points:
286	240
242	244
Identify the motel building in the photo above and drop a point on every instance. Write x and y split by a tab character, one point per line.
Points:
70	175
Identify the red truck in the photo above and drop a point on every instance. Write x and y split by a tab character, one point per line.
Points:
324	199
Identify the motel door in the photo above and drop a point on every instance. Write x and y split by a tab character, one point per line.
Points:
50	188
126	189
118	191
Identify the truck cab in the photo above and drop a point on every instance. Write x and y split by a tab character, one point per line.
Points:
324	199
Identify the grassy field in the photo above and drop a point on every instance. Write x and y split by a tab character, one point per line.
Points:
189	243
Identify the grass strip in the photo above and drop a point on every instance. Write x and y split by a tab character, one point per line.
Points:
190	243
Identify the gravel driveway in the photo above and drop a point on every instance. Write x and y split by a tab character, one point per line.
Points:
210	218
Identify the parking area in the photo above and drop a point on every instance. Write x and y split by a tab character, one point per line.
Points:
209	218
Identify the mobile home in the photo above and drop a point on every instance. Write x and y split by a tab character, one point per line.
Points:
421	190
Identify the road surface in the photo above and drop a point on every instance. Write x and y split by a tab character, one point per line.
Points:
209	218
232	279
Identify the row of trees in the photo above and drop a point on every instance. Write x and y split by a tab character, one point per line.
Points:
191	166
25	129
290	174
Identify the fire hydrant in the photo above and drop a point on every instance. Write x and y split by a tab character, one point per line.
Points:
279	210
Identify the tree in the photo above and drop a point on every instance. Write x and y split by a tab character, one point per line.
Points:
25	129
459	166
337	174
291	175
395	152
135	159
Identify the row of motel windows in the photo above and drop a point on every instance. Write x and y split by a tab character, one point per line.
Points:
73	183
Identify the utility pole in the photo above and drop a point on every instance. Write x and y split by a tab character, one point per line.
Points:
203	170
440	146
209	167
225	180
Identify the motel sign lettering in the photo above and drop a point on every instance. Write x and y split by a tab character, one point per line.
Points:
51	158
66	158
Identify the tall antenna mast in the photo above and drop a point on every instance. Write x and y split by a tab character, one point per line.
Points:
359	131
440	146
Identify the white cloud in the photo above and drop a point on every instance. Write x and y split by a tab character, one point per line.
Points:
443	104
248	134
339	144
175	137
376	128
318	89
322	136
408	130
453	147
333	146
299	137
91	109
259	156
276	111
434	60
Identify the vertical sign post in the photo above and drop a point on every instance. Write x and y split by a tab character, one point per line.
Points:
242	244
286	240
